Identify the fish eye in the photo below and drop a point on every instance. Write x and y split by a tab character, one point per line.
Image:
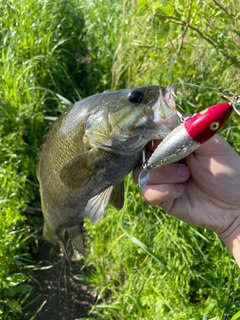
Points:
135	96
214	126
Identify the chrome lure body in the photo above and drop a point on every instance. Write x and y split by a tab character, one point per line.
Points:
187	137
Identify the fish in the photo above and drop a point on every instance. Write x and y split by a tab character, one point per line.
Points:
186	138
90	149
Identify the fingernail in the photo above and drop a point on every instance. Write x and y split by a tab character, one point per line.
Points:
183	171
143	178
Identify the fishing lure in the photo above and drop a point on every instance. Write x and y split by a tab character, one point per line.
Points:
187	137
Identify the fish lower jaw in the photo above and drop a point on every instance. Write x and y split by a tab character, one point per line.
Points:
158	109
165	106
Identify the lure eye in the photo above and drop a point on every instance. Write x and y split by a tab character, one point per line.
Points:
214	126
135	96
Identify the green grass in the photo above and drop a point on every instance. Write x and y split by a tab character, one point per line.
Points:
149	265
143	263
31	45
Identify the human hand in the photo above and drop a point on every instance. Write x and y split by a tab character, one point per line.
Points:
204	192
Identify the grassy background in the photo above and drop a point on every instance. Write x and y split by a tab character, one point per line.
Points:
144	264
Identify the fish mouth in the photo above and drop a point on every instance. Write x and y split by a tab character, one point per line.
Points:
165	106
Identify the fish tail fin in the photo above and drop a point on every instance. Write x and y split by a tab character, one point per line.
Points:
76	236
64	239
64	249
55	238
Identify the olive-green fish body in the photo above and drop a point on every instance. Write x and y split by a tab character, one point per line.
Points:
89	150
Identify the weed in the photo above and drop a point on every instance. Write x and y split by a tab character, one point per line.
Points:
143	263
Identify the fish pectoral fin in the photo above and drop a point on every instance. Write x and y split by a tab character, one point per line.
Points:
96	206
76	236
117	196
76	171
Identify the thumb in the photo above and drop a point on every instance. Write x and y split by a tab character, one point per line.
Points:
215	147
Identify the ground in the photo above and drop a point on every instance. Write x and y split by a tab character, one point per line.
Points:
58	295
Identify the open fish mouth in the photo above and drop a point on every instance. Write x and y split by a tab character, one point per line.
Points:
165	105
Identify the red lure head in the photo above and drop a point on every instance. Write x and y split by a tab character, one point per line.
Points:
205	124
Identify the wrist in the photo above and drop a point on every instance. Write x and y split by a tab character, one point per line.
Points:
236	252
231	238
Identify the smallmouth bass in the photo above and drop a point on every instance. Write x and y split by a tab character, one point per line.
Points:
89	150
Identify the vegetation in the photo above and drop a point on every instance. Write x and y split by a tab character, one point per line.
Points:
143	263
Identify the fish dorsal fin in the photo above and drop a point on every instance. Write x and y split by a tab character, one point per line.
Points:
117	196
96	206
76	171
76	236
